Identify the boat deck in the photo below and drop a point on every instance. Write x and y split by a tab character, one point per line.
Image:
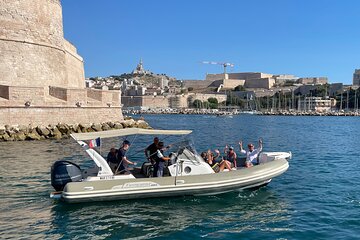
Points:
137	172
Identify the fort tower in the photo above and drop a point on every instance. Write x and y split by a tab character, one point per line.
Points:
41	74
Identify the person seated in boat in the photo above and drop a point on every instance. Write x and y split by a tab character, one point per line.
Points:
112	156
217	166
203	156
252	154
122	165
160	159
230	155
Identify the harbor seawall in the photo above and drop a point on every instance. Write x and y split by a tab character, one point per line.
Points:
62	130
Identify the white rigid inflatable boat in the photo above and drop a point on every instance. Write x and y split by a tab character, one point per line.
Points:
188	174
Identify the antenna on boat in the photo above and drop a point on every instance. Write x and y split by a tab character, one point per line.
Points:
181	150
100	146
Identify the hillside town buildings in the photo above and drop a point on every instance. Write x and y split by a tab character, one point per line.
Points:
142	92
146	90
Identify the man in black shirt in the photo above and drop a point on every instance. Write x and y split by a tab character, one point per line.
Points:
112	156
150	153
122	162
152	148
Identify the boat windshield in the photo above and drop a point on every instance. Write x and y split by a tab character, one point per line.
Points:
184	150
186	143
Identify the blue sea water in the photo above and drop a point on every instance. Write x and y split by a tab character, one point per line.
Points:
317	198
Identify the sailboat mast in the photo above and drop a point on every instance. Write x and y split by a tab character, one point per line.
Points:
347	100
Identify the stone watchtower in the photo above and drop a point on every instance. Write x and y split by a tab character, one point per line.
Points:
41	75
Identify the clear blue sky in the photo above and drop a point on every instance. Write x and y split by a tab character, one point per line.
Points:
306	38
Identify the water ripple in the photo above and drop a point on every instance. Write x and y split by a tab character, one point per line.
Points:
317	198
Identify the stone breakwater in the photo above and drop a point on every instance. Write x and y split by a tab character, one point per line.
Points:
61	130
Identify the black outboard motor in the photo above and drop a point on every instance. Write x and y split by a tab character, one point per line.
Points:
63	172
147	169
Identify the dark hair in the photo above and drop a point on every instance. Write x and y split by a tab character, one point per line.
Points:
126	142
160	144
204	156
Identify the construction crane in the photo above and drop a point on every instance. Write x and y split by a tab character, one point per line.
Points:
218	63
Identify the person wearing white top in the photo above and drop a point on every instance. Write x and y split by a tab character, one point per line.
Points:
251	154
160	159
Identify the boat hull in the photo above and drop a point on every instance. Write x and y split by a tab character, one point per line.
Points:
206	184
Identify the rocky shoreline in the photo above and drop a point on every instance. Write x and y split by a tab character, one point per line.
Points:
61	130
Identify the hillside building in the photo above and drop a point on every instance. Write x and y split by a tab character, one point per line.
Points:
140	69
316	104
356	77
313	80
246	79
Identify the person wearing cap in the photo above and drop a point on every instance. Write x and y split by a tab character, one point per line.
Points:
122	161
252	154
230	156
160	159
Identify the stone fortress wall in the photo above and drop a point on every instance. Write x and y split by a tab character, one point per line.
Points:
34	51
42	78
246	79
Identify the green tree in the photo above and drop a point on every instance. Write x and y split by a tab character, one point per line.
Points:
197	103
213	103
239	88
212	100
206	104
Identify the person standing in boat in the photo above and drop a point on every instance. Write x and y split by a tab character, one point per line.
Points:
252	154
160	160
230	156
150	153
112	156
122	161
